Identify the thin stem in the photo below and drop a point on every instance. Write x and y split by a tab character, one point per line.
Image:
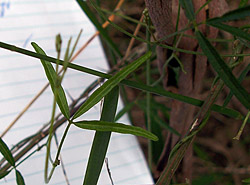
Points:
38	149
177	22
124	17
205	4
237	137
159	91
58	82
148	108
62	141
61	162
49	141
104	25
173	55
56	161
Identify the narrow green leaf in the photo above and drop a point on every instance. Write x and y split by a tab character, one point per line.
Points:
243	3
19	178
159	121
4	174
158	146
230	29
115	127
237	14
246	180
244	42
110	84
223	70
241	77
101	139
84	6
173	164
52	77
155	90
156	118
177	154
187	5
6	152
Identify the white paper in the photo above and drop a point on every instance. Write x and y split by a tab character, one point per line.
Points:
22	77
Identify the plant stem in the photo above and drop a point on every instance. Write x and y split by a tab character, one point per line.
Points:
148	107
237	137
140	86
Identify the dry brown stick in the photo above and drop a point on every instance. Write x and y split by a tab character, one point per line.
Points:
130	45
42	133
133	39
111	18
24	110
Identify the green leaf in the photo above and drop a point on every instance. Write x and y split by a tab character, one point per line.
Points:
158	146
223	70
84	6
173	164
110	84
241	77
177	154
187	5
56	88
19	178
246	180
237	14
115	127
233	30
101	139
3	174
6	152
155	90
243	3
156	118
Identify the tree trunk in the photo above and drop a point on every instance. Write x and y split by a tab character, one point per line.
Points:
163	14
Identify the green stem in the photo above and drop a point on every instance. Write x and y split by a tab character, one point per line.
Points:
56	161
237	137
140	86
62	141
177	153
49	141
148	107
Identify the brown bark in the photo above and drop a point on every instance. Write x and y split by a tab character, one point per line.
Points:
160	12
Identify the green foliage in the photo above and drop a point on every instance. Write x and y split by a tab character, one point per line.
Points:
223	70
6	152
101	139
87	10
8	156
105	126
233	15
230	29
246	180
3	174
110	84
240	79
155	123
54	83
187	5
19	178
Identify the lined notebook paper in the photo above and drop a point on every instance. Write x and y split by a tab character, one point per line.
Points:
24	21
